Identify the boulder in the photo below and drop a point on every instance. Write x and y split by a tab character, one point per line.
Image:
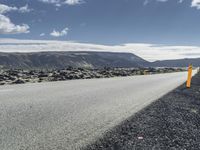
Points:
18	81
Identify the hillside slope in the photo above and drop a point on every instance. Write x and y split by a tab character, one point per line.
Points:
57	60
177	63
60	60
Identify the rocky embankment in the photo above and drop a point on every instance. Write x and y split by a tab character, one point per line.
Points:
172	122
19	76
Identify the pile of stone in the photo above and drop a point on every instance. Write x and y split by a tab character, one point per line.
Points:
19	76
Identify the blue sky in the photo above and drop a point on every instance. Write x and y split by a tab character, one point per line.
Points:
104	22
172	22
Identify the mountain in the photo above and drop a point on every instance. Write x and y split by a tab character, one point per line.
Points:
59	60
177	63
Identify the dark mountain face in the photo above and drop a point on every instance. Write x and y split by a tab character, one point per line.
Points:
59	60
177	63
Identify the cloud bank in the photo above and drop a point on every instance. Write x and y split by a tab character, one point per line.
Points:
150	52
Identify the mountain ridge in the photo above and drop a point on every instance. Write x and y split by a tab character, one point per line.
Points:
61	59
177	63
84	59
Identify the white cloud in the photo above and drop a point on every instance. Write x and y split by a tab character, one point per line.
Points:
5	9
196	3
180	1
162	0
59	34
42	34
145	2
24	9
59	3
147	51
6	26
73	2
56	2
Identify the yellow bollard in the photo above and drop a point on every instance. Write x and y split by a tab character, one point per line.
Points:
189	76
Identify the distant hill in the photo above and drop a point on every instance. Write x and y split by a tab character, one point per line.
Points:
58	60
177	63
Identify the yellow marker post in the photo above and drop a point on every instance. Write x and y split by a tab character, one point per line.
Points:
189	76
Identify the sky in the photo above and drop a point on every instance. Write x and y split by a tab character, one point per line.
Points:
152	29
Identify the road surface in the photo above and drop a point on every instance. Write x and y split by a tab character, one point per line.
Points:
70	114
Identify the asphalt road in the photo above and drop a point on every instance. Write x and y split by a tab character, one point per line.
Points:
70	114
170	123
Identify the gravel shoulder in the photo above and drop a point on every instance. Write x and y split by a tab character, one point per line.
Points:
172	122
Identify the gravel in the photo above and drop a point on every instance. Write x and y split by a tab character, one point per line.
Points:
172	122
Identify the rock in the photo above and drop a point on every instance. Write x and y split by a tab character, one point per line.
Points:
43	75
18	81
11	78
2	83
15	76
2	78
